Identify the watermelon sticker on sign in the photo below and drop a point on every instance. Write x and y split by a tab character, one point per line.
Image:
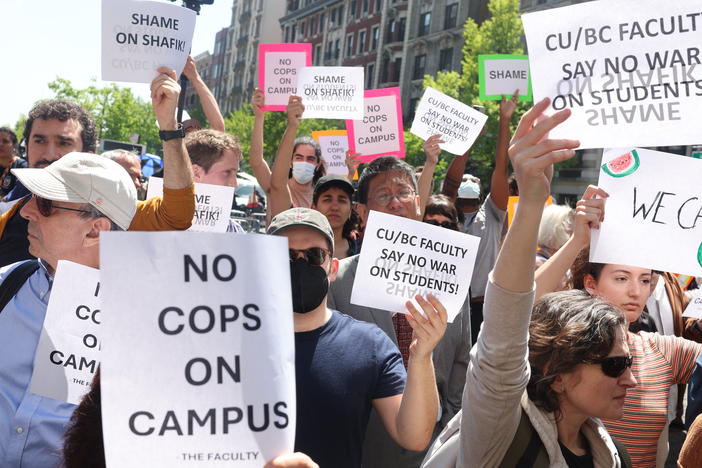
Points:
623	165
699	254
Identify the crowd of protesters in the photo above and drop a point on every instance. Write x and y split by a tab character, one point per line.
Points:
551	361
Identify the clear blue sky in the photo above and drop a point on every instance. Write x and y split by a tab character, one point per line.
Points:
45	39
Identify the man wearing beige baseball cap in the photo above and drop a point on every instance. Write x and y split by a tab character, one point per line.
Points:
73	200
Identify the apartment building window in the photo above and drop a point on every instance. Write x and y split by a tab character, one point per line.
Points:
424	23
349	45
392	24
365	7
332	17
329	51
446	59
385	70
292	33
287	34
352	12
361	42
451	16
420	62
321	23
401	32
313	26
337	48
370	72
318	54
378	5
396	69
375	35
303	28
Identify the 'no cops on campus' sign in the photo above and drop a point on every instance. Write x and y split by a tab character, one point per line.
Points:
278	66
140	36
202	370
381	132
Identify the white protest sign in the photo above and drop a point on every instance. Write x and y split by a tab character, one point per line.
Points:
331	92
213	205
202	372
502	75
138	37
334	144
458	123
694	308
653	212
401	258
68	353
628	70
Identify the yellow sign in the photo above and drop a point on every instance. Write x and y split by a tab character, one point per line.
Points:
512	207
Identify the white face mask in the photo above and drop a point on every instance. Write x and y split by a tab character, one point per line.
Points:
303	172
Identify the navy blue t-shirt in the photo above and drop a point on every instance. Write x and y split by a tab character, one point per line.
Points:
341	368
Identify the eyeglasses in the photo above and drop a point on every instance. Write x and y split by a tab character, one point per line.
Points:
614	366
315	256
403	196
444	224
45	205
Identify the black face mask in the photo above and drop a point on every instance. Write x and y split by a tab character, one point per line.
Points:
309	285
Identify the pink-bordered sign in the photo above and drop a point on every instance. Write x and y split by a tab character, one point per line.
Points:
277	71
381	132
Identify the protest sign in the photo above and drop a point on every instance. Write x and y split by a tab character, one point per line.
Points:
138	37
502	75
458	124
331	92
278	65
694	308
213	205
629	71
203	371
68	353
334	145
401	258
653	211
512	204
381	132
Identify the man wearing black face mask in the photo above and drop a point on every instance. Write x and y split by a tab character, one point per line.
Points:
343	366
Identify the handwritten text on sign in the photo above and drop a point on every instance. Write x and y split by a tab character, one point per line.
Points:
213	205
458	124
333	144
277	73
408	258
381	132
331	92
140	36
68	353
652	196
222	346
630	73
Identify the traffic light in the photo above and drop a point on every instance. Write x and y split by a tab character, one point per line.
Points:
195	4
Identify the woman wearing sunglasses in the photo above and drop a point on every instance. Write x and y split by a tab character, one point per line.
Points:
440	211
659	360
537	382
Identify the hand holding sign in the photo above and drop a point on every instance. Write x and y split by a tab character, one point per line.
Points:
428	326
353	160
508	106
164	98
589	212
293	460
258	103
432	148
295	110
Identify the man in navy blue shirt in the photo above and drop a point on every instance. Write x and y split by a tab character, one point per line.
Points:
345	367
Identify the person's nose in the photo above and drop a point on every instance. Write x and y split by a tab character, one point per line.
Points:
627	379
30	211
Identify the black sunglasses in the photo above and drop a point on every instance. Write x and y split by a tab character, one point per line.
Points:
614	366
44	206
314	255
444	224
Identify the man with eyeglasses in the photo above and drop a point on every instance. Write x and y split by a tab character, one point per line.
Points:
132	164
389	185
344	367
73	201
57	127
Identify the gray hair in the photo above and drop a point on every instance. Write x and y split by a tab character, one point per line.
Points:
93	212
117	154
556	226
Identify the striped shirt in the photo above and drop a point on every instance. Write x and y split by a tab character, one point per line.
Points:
659	362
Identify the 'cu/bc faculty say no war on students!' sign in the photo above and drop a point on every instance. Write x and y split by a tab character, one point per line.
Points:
458	124
381	132
68	353
653	196
401	258
203	372
630	71
278	65
140	36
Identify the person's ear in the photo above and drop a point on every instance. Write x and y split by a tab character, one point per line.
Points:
333	269
363	212
96	226
558	384
418	205
590	284
198	172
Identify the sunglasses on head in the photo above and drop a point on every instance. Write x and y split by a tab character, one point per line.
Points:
45	205
614	366
314	255
443	224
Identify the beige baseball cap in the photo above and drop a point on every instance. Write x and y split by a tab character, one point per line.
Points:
302	217
85	178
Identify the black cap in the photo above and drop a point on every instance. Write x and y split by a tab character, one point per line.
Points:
333	180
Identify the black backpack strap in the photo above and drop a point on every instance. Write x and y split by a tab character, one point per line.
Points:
526	449
623	454
14	281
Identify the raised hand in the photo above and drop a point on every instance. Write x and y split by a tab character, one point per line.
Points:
295	110
432	149
428	327
292	460
258	100
190	70
589	213
353	160
164	98
508	106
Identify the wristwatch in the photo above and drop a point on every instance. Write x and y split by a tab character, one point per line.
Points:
166	135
